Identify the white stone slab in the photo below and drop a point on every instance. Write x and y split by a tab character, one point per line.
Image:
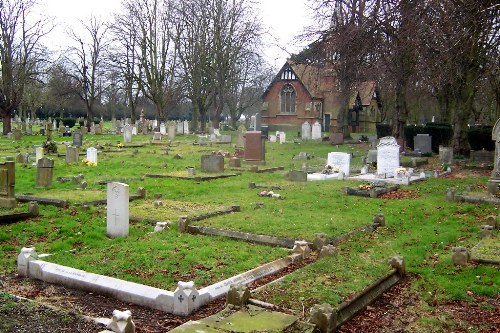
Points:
282	137
306	131
387	156
127	133
322	176
342	160
163	129
92	155
316	131
117	210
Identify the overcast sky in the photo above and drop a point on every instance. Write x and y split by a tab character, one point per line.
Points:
284	19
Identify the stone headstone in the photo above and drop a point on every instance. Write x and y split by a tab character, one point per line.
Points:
460	255
156	136
254	146
225	139
240	140
180	127
17	134
306	131
7	184
387	156
282	137
77	139
44	172
92	155
127	133
171	131
445	155
39	153
423	143
482	156
272	138
163	129
316	131
72	154
212	163
238	295
235	162
117	209
134	130
185	126
22	158
486	231
342	160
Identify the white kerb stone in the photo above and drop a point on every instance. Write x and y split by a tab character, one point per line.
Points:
117	209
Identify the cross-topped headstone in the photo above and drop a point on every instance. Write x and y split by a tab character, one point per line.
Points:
117	209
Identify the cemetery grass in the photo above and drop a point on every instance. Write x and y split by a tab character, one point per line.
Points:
422	229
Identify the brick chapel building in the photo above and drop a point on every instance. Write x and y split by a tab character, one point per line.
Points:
308	92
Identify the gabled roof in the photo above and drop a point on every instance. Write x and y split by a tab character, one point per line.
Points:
366	91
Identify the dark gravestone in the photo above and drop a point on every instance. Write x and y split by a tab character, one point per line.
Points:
77	139
254	146
423	143
7	184
212	163
45	169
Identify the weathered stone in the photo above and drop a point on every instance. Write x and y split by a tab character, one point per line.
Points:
186	298
7	184
297	176
158	203
302	248
160	226
83	185
379	220
324	317
182	223
141	192
450	194
121	322
72	154
238	295
44	172
492	220
460	255
398	263
235	162
486	231
191	171
212	163
327	250
319	241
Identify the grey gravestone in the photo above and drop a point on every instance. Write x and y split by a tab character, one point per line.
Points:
225	139
72	154
7	184
372	156
44	172
494	181
297	176
423	143
77	139
306	131
171	131
212	163
387	156
127	134
445	155
117	216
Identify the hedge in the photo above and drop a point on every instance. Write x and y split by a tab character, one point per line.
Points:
480	138
441	133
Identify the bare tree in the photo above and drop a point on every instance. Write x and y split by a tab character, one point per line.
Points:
21	53
87	59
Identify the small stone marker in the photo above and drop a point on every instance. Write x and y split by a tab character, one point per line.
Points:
26	254
212	163
450	194
117	210
237	295
182	223
186	298
398	263
460	255
235	162
327	250
44	172
302	247
121	322
486	231
160	226
319	241
379	220
324	317
491	220
7	184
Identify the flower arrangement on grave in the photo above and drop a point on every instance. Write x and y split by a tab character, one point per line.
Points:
330	169
270	194
50	146
365	187
400	171
88	162
120	145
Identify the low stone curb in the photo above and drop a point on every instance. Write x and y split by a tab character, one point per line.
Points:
259	239
196	178
372	193
471	199
14	217
269	169
201	217
482	260
105	201
42	201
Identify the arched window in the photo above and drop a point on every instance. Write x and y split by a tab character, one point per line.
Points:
287	99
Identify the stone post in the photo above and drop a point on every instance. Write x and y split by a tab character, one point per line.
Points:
324	317
460	255
186	298
237	295
121	322
25	256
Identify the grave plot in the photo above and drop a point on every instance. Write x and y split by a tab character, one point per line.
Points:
487	251
165	209
71	196
153	261
304	210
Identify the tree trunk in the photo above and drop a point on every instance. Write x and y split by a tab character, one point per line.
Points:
6	117
401	114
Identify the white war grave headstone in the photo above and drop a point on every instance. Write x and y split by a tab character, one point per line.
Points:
342	160
117	210
92	155
306	131
316	131
127	133
387	156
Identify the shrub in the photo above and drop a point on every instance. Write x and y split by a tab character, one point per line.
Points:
70	122
441	133
384	130
480	138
